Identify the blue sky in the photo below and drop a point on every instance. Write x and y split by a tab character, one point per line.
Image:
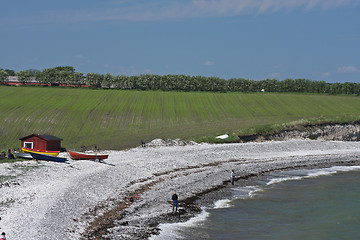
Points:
254	39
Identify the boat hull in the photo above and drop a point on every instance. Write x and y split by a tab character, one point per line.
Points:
23	155
82	156
47	157
38	151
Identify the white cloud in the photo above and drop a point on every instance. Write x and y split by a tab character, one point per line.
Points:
348	69
155	10
326	74
275	74
220	8
80	56
126	70
209	63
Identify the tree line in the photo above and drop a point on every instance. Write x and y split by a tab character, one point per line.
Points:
67	76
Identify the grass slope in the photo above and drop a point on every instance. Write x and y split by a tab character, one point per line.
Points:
114	119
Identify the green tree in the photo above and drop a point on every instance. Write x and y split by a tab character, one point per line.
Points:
120	82
318	87
94	79
24	76
76	79
108	80
349	88
335	88
10	72
270	85
49	76
67	69
153	81
3	76
142	82
62	77
287	85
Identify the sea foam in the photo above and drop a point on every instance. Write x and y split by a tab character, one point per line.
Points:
311	173
172	230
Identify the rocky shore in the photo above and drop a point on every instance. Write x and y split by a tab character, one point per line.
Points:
129	195
329	132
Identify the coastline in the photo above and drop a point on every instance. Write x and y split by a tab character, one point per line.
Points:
87	200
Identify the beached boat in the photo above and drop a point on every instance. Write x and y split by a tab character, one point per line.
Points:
38	151
83	156
46	157
23	155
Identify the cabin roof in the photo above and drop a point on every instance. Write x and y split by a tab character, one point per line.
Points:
46	137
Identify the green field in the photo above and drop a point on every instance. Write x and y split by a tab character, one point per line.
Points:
118	119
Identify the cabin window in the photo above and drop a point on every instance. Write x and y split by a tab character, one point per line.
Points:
28	144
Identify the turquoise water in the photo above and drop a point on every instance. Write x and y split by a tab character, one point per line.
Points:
299	204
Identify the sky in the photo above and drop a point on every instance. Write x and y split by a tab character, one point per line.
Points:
252	39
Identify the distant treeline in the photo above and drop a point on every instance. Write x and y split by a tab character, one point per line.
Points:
67	76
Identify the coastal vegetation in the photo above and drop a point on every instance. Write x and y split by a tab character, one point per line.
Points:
119	119
67	76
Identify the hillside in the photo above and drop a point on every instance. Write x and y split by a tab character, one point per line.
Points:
118	119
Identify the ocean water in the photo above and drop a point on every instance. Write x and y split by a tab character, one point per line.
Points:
299	204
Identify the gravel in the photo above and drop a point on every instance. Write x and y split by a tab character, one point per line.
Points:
91	200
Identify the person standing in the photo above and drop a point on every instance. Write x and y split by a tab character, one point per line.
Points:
175	201
232	178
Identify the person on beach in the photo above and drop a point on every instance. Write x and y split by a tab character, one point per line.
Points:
2	237
10	154
175	201
232	177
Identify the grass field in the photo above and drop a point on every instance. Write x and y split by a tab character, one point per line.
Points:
115	119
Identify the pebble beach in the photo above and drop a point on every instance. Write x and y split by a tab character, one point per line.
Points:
90	200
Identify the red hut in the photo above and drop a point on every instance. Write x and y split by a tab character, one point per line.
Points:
42	142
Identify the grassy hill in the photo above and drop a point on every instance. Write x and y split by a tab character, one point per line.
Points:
115	119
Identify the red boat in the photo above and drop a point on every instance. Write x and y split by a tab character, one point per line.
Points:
82	156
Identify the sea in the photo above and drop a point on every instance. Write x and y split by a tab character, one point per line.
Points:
298	204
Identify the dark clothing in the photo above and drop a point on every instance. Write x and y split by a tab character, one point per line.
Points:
232	178
175	201
10	154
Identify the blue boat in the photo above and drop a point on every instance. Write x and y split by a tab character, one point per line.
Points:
45	157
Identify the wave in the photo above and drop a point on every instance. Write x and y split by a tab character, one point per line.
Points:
172	230
223	203
310	173
238	193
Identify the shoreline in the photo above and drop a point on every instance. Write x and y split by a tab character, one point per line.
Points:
46	200
192	206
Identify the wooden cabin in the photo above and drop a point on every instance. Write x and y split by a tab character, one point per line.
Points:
42	142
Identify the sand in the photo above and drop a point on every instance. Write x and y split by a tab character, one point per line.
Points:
89	200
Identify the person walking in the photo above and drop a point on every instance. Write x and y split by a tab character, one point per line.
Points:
175	201
232	178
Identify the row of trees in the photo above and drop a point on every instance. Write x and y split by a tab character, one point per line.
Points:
68	76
